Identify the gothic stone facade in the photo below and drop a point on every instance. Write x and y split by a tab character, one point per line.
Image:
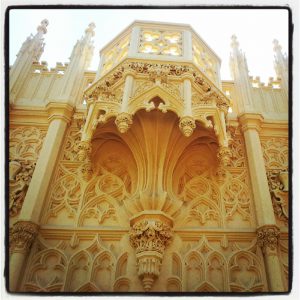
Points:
150	174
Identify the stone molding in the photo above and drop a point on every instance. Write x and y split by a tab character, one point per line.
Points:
251	121
62	111
22	235
268	238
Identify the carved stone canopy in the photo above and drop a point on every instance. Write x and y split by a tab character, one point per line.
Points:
113	96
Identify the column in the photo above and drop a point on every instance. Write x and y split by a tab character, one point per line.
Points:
24	231
267	232
187	122
124	119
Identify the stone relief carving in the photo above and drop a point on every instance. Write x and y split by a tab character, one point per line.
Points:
69	152
237	148
245	273
236	196
267	239
20	176
149	238
278	185
25	143
212	268
53	269
22	235
275	152
47	272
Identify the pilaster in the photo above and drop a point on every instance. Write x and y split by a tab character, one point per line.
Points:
251	125
268	239
21	238
59	117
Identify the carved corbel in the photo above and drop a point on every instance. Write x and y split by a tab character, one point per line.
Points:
149	236
22	235
268	238
187	125
123	121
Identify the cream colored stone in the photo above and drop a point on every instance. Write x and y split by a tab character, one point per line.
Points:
137	177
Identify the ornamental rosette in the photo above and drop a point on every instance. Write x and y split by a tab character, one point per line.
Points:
22	235
267	238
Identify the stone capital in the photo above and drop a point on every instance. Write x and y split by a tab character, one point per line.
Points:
22	235
268	238
62	111
250	121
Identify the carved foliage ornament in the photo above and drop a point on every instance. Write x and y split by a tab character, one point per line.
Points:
20	173
267	239
154	71
187	125
123	121
22	236
149	238
224	156
278	185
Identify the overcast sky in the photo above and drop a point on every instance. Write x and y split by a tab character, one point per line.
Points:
255	29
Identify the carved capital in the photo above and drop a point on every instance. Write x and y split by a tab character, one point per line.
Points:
187	125
22	236
149	238
268	238
250	121
123	121
224	156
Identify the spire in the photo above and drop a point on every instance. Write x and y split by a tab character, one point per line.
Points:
240	74
79	62
281	65
31	51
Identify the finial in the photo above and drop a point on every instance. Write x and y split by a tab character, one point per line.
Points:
276	47
42	28
234	42
91	28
